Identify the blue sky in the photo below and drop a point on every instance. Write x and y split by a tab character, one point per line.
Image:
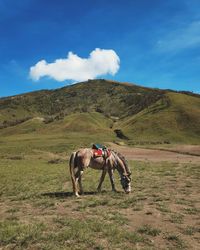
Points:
157	41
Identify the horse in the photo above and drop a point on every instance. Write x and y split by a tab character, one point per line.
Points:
84	158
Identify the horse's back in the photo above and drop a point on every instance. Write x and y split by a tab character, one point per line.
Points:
86	159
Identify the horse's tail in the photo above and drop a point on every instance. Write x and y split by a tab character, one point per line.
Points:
71	168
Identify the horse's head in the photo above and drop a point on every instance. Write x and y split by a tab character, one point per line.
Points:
121	165
126	182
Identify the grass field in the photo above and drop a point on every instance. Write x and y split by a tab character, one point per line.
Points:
38	211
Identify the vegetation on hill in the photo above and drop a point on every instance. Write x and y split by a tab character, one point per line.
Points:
106	97
110	109
175	118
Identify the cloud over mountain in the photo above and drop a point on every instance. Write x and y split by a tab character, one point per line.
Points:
100	62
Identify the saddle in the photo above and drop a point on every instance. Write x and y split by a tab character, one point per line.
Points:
100	151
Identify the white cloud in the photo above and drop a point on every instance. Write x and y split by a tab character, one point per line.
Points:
100	62
182	38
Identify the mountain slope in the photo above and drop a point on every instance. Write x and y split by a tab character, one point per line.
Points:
109	98
100	107
175	118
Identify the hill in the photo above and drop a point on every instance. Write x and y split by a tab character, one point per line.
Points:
175	118
105	108
109	98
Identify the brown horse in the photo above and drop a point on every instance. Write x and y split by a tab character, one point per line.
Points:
84	158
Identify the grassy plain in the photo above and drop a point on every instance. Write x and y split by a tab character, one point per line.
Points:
38	211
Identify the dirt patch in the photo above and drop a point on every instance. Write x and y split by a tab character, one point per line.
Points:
157	155
183	149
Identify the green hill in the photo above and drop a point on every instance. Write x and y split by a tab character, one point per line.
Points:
100	108
106	97
175	118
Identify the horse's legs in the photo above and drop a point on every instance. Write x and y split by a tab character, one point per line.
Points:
74	186
101	179
74	181
77	181
80	183
110	172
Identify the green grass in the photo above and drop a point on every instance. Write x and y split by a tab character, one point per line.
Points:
190	230
38	210
148	230
20	234
177	242
90	123
177	218
171	120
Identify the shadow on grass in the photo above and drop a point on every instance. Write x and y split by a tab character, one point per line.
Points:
66	194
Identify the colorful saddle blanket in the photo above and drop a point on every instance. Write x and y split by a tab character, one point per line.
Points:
100	151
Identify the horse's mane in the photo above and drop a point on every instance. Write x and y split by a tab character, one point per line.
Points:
122	158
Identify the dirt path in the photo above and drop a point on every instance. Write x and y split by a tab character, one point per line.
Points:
155	155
